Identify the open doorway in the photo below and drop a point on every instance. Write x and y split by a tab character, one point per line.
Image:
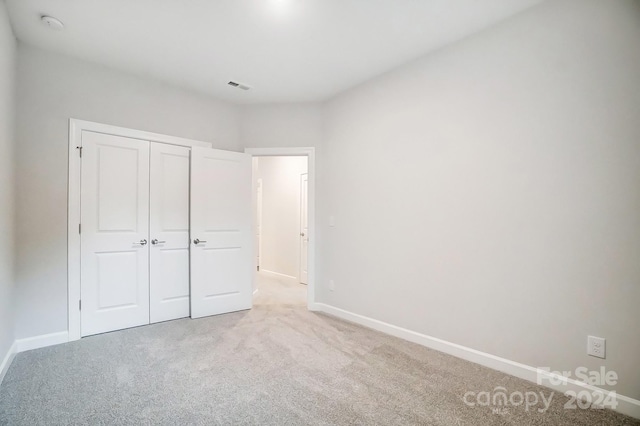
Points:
283	226
281	231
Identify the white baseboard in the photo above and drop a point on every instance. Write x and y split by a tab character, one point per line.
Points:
42	341
6	361
315	307
626	405
278	275
36	342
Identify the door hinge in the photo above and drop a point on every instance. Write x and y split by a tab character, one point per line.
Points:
79	228
79	148
79	305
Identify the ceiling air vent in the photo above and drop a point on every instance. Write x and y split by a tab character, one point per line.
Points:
239	85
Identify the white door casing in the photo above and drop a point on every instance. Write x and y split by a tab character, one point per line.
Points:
304	227
114	238
221	221
169	232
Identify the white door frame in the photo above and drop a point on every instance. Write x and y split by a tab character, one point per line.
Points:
76	127
310	153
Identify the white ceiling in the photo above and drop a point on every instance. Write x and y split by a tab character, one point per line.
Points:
288	50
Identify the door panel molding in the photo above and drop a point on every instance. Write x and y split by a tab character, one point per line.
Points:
76	127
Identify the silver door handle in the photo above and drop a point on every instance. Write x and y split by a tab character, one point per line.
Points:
155	241
141	242
197	241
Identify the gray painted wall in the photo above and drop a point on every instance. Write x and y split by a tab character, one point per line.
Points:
7	183
281	125
51	89
489	194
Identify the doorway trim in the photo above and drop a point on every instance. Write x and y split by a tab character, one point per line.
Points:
310	153
76	127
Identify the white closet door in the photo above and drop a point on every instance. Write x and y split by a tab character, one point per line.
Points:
115	225
221	251
169	232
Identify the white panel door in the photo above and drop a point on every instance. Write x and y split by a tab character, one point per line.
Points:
115	225
169	232
221	252
304	227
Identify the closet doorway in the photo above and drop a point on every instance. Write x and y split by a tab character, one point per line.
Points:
160	228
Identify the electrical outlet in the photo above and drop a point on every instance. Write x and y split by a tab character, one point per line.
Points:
332	221
596	346
332	285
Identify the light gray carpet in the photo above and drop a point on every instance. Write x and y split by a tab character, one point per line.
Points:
277	364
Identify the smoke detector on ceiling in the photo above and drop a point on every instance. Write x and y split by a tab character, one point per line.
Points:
52	22
239	85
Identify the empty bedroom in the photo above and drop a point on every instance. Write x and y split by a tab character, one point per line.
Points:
320	212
